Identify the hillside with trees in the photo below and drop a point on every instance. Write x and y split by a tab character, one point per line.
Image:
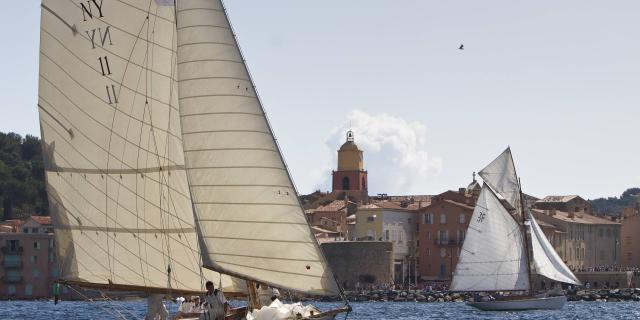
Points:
22	187
614	205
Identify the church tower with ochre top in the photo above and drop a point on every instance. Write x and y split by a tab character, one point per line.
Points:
350	179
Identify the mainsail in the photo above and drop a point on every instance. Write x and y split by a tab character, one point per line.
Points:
249	219
546	261
493	255
501	176
110	124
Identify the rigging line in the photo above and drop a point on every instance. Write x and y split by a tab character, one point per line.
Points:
56	120
117	315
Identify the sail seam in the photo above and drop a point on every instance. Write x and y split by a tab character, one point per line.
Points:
210	60
190	9
203	26
225	149
205	42
253	221
126	230
240	185
209	78
217	95
240	167
222	113
115	171
259	240
263	257
224	131
271	270
248	204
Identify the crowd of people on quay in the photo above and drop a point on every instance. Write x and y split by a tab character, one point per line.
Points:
611	268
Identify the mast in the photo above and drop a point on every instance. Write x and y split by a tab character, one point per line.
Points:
527	238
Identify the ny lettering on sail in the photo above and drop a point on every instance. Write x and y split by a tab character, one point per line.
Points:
90	8
100	37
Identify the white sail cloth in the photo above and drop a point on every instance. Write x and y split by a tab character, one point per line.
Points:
113	150
493	255
501	176
250	222
546	261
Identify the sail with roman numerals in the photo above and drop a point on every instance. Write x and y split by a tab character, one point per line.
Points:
249	219
113	145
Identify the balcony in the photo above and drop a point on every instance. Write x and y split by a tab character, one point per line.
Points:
10	278
447	242
12	263
12	250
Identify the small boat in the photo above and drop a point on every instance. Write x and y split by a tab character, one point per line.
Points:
162	169
505	245
526	303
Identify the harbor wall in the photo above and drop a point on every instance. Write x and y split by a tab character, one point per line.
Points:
366	263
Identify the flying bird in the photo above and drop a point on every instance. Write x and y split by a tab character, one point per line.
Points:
461	47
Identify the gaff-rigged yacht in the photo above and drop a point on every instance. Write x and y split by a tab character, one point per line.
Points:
498	254
162	169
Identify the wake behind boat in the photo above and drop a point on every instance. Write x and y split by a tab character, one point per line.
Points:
505	245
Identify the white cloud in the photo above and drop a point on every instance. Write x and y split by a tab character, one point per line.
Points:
394	153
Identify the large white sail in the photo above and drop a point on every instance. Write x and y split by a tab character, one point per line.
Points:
493	255
501	176
113	150
546	260
249	218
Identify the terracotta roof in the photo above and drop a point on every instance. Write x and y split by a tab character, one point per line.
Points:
335	205
583	218
385	204
43	220
14	223
558	199
455	203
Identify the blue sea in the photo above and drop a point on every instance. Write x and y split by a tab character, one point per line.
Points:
361	310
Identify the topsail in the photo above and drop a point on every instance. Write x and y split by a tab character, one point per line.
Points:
109	116
501	176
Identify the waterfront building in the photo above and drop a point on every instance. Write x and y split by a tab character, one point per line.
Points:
28	260
570	203
630	237
389	221
581	239
442	226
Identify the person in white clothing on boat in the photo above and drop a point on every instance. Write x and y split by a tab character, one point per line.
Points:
215	305
266	295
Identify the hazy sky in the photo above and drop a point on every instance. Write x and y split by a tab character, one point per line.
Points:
558	81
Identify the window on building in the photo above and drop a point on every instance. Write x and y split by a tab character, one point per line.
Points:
401	236
35	273
386	235
443	269
370	218
461	235
11	290
428	252
34	230
428	218
13	245
443	218
33	259
28	289
461	218
52	256
25	230
345	183
36	245
428	235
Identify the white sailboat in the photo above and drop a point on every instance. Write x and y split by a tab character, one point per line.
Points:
162	170
497	254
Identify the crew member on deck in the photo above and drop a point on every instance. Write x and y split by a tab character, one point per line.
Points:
215	305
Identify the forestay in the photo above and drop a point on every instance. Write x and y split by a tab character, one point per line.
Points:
501	176
493	257
250	222
546	260
114	159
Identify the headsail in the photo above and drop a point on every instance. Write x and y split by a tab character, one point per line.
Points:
493	255
250	222
546	261
501	176
113	150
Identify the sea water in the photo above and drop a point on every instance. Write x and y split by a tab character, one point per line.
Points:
85	310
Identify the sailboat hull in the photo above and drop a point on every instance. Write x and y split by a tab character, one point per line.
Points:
546	303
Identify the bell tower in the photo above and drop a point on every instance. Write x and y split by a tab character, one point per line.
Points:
350	178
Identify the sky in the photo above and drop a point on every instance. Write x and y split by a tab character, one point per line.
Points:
558	81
